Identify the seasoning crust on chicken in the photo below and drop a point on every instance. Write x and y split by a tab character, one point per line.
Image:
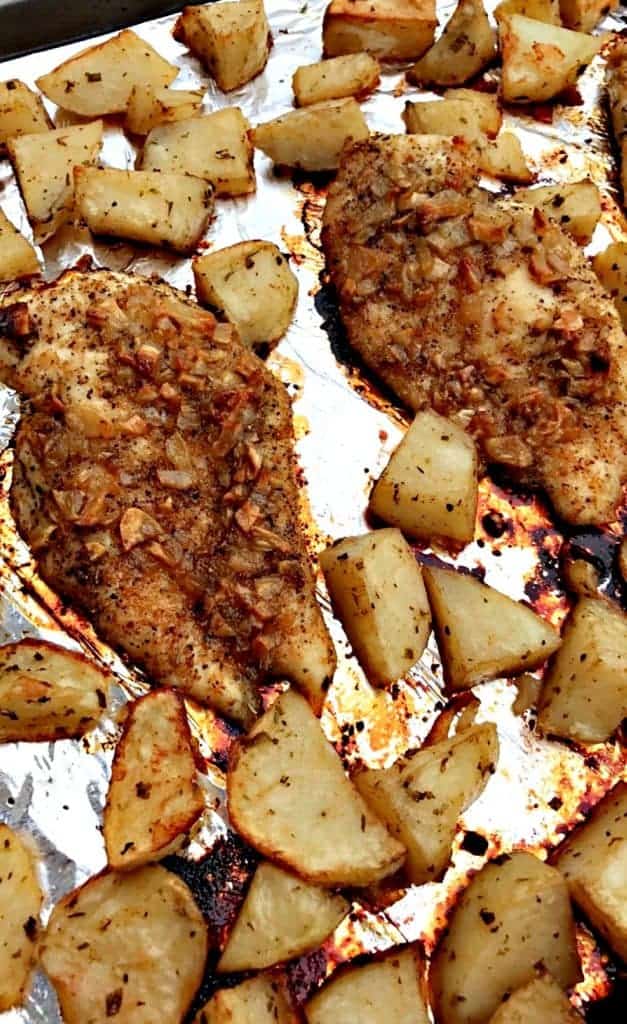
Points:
154	480
485	311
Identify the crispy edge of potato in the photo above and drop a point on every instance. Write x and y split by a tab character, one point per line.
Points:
584	15
11	733
354	74
98	193
196	27
547	57
541	10
62	90
467	34
136	734
312	138
402	33
270	302
242	759
503	158
581	199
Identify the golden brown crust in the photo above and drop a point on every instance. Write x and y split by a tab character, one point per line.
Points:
484	311
155	482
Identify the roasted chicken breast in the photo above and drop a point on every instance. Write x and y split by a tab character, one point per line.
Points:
485	311
154	480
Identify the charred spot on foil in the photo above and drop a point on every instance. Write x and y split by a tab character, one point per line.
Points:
475	844
305	975
495	524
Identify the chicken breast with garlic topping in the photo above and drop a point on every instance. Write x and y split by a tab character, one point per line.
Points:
155	482
485	311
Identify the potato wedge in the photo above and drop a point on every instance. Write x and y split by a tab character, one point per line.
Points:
48	692
20	905
154	797
17	256
504	158
540	1001
483	634
99	80
576	206
259	1000
129	945
584	15
584	696
44	163
281	918
471	114
251	285
325	833
513	918
611	269
593	860
467	45
540	60
354	74
21	111
215	147
385	990
429	486
377	591
231	39
420	798
144	206
148	107
541	10
312	138
389	29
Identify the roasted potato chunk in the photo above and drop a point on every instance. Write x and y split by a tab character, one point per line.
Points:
354	74
611	269
17	256
462	112
130	945
377	591
483	634
503	158
429	486
312	138
389	29
575	206
251	285
48	692
20	905
144	206
584	696
100	80
540	1001
513	917
44	163
466	46
385	990
420	798
540	60
148	107
281	918
259	1000
21	111
593	860
584	15
325	833
215	147
231	39
541	10
154	797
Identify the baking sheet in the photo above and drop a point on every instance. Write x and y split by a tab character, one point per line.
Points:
346	429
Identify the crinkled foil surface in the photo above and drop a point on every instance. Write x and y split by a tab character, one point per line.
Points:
346	429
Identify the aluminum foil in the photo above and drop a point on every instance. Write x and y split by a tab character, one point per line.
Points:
346	429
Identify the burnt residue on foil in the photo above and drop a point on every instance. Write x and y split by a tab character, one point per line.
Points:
346	427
